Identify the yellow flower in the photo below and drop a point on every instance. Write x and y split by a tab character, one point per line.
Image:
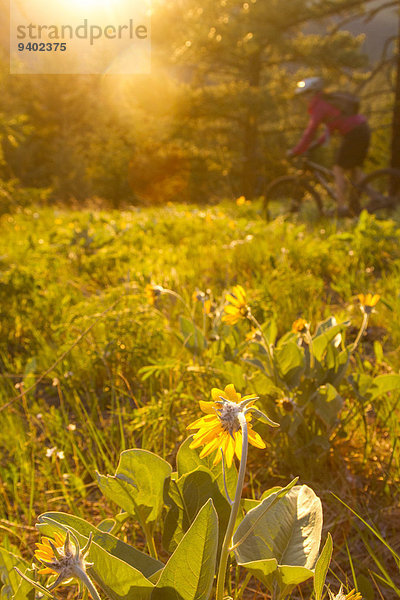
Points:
353	595
153	292
220	429
254	335
45	553
300	326
368	301
65	559
241	200
237	307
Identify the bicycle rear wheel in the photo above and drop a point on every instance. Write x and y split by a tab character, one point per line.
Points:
379	192
291	194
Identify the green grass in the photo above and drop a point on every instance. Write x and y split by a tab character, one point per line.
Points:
76	330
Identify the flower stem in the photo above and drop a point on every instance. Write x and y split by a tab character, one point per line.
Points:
89	585
360	333
234	511
267	348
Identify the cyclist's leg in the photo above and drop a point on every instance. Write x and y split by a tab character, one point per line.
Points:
341	185
351	156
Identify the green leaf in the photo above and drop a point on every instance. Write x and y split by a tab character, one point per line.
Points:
189	573
290	361
193	339
188	494
188	459
117	566
378	351
328	404
14	587
384	384
321	341
255	362
107	525
321	568
138	484
262	569
260	416
288	530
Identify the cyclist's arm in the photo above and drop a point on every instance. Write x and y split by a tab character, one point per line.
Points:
317	116
307	137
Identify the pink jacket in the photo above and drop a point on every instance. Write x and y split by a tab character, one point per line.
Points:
322	111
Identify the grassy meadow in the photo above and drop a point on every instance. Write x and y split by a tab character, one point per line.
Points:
91	366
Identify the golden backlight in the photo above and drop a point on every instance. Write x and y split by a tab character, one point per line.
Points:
80	36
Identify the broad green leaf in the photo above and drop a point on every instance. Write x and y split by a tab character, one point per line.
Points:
325	326
193	339
383	384
189	573
321	568
361	383
327	403
188	459
118	579
138	484
188	494
289	359
262	569
289	576
107	525
321	341
270	331
289	532
14	587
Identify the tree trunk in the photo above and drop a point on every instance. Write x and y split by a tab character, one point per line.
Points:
251	158
395	146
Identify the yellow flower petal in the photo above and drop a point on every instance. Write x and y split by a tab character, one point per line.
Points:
229	309
375	299
210	447
240	294
238	444
231	393
255	439
46	571
207	407
229	451
233	300
216	394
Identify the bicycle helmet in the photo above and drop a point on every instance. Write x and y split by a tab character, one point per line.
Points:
309	84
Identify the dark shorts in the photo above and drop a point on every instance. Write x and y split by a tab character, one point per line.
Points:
354	147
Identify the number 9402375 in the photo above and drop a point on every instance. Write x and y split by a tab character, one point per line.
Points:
42	47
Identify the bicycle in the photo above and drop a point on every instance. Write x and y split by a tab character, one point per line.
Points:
311	186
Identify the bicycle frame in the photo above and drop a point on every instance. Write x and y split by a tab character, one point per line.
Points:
321	174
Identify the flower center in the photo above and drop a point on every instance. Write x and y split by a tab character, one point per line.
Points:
228	416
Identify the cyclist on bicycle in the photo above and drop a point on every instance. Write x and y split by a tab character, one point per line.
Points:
353	128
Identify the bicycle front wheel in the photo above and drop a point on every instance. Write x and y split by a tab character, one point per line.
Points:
291	194
380	191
